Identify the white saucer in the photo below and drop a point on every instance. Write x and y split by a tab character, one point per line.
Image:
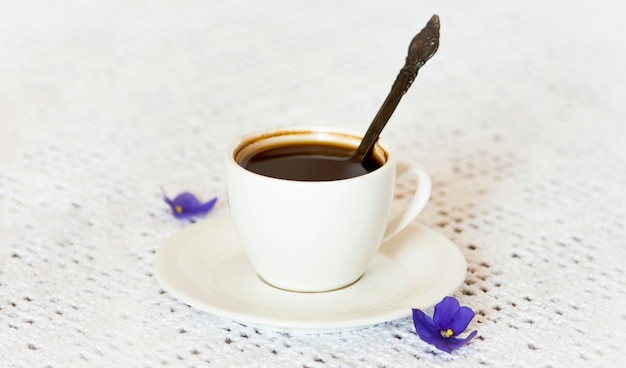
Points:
204	266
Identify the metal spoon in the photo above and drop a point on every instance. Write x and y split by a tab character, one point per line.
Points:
422	47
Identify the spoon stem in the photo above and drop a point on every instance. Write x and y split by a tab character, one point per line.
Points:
382	117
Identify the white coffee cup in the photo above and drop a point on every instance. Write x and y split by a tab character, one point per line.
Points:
314	236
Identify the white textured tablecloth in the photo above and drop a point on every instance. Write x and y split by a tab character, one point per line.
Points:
520	118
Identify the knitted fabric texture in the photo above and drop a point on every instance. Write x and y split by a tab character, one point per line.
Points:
519	118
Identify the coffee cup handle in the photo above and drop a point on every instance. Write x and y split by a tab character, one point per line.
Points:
416	204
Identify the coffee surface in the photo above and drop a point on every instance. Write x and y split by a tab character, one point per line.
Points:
309	162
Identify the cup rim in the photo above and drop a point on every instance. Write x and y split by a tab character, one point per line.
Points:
385	150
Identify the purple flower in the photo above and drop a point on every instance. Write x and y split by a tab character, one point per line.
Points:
186	205
449	320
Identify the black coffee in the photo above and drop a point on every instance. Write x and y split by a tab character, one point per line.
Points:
309	162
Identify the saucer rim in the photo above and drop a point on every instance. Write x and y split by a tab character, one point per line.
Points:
174	281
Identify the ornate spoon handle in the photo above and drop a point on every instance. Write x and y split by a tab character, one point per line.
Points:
422	47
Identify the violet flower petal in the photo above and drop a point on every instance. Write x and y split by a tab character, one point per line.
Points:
455	342
186	200
460	320
444	311
444	344
205	207
425	327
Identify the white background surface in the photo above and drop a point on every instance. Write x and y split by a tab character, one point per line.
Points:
519	118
